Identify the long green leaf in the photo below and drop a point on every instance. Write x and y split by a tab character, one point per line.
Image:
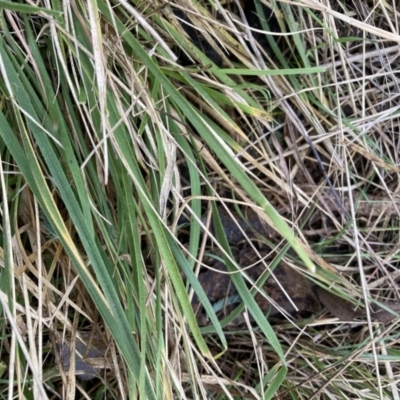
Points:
108	304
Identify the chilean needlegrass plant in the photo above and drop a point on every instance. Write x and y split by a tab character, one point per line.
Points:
108	143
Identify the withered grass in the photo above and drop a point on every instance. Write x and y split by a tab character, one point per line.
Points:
118	134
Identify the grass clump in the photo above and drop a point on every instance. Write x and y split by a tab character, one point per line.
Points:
123	123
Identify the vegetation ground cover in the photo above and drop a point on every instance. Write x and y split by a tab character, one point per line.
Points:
127	126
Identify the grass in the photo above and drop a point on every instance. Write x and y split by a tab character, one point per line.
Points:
120	126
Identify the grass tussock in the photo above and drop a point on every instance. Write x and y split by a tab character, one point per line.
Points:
126	127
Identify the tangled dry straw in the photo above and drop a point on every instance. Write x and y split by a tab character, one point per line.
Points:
126	123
